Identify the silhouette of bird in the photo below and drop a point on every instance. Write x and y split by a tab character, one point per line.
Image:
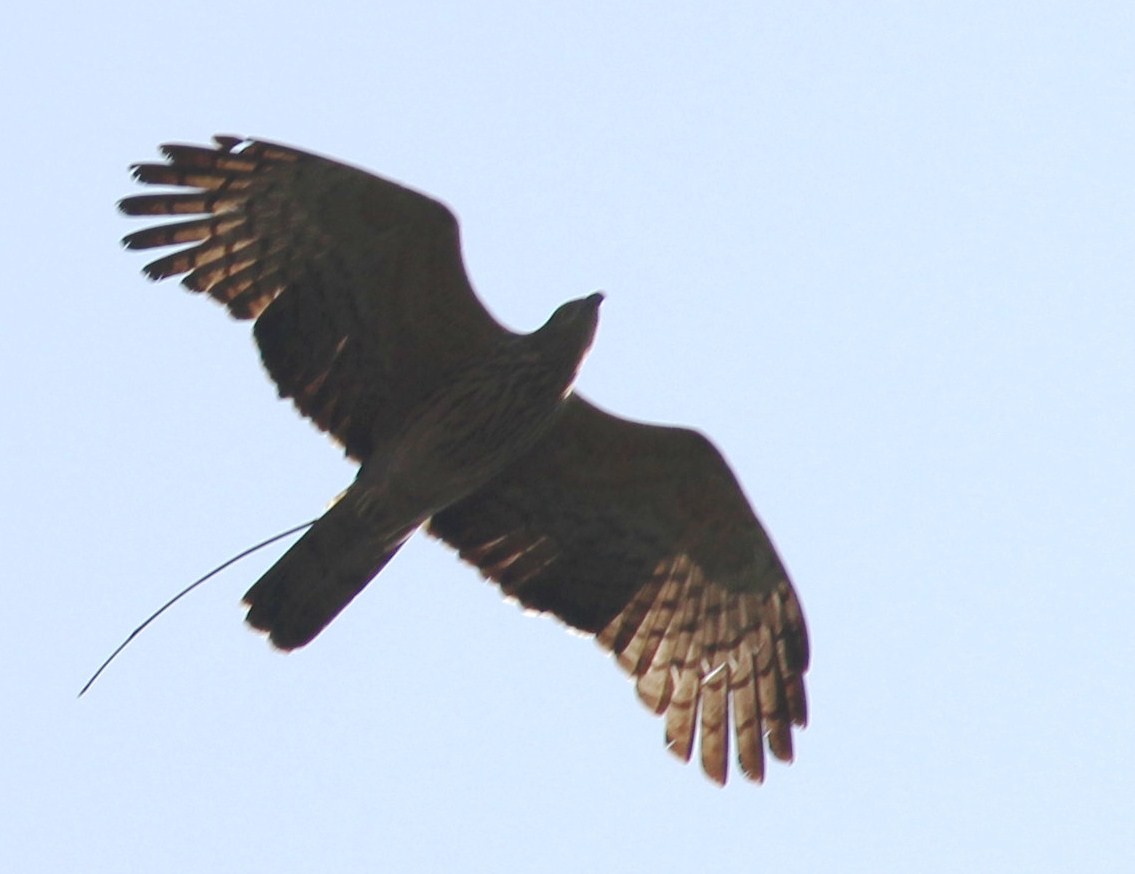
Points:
365	318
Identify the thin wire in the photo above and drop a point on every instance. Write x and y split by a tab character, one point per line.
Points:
185	592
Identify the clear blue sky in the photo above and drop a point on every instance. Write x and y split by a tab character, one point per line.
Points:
881	252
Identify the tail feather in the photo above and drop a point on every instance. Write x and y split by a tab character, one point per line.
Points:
323	571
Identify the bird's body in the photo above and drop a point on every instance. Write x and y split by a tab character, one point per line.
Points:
365	318
459	436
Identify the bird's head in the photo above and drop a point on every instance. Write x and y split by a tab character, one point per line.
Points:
567	335
577	319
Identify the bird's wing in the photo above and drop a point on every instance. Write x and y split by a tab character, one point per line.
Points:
641	535
357	284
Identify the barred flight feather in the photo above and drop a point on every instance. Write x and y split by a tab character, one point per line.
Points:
701	654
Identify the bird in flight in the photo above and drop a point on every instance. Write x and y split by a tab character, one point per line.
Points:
364	316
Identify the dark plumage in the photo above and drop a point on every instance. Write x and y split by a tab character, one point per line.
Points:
637	533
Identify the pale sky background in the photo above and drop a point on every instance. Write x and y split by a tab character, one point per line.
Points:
881	252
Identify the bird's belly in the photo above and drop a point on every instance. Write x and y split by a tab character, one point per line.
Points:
446	453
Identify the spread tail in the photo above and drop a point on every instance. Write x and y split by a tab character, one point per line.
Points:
323	571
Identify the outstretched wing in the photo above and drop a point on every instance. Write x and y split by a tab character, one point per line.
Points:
357	284
641	535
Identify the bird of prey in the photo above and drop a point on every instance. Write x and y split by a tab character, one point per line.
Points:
364	316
